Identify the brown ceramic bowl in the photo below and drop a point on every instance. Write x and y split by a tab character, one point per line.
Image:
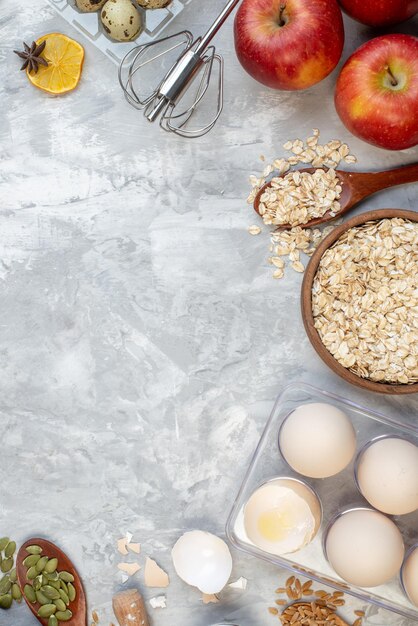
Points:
306	303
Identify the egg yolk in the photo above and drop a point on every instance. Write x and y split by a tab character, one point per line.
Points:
274	525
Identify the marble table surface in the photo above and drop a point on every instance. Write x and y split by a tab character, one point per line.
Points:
142	337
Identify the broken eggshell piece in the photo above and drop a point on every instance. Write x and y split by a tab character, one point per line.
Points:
202	560
282	516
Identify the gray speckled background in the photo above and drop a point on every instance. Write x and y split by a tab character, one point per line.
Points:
142	337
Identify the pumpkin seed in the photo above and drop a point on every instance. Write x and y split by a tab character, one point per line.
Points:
64	586
64	616
3	543
6	601
16	593
64	596
13	575
66	577
52	621
51	566
60	604
32	573
50	592
41	598
31	560
71	592
10	549
55	584
53	576
6	565
40	566
47	610
37	583
44	579
5	585
29	592
34	549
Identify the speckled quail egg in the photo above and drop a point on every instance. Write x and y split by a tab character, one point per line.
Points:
202	560
154	4
121	20
88	6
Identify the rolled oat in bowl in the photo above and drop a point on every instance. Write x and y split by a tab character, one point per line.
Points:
365	300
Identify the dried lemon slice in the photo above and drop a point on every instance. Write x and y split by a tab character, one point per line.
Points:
65	61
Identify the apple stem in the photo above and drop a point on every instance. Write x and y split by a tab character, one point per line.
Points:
282	21
393	80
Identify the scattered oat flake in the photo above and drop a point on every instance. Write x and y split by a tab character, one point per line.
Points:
241	583
95	617
254	230
122	546
159	602
134	547
129	568
298	266
154	576
209	598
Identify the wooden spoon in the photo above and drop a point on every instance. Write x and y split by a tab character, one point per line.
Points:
129	608
79	606
356	187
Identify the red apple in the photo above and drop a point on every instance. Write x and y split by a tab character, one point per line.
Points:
289	44
377	92
380	12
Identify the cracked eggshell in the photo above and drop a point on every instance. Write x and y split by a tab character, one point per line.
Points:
202	560
88	6
121	19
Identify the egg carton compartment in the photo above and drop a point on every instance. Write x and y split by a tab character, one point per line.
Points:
337	493
90	26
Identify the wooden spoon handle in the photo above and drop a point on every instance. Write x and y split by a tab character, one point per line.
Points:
388	178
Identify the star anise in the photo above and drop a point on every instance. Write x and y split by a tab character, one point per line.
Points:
32	56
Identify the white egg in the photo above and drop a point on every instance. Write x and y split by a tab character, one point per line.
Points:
410	576
121	19
365	548
387	475
317	440
282	516
202	560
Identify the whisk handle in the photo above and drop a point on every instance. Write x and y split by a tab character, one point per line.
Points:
207	38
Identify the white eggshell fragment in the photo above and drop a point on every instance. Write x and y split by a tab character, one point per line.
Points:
121	19
365	548
317	440
202	560
387	474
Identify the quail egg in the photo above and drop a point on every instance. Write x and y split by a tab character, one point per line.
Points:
202	560
154	4
88	6
121	20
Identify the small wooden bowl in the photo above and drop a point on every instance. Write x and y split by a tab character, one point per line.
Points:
306	303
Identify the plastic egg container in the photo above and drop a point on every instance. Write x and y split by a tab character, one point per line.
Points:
337	494
89	25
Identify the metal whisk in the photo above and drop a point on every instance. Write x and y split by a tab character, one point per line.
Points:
195	65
